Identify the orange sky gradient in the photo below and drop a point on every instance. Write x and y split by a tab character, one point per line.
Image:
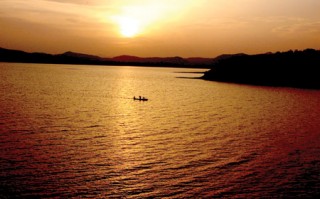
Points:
187	28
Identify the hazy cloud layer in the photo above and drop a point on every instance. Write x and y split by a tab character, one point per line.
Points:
163	28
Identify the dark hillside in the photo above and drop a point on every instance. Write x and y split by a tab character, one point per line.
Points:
292	69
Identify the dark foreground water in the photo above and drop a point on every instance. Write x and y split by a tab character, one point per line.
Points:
75	132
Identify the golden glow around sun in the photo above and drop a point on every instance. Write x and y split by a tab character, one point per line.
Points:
136	19
128	27
147	15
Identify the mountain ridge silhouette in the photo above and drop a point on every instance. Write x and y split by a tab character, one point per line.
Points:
69	57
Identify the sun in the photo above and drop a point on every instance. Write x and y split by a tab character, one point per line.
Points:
146	17
129	27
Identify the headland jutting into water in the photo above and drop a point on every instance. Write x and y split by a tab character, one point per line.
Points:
289	69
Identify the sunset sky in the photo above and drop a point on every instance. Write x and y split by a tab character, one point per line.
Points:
187	28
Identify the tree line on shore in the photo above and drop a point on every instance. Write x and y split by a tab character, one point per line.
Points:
290	69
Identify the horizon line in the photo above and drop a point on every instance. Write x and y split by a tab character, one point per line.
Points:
176	56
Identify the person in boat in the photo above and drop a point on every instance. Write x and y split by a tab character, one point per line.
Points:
140	98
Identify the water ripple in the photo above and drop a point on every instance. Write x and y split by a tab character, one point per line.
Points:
78	133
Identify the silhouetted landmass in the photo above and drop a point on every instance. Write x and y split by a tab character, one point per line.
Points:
289	69
7	55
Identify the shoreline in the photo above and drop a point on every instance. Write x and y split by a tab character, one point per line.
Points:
297	69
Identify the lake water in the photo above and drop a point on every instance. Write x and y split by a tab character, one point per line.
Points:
75	132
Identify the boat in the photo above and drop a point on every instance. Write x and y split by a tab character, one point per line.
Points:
140	98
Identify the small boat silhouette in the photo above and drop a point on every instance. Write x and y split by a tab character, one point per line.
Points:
140	98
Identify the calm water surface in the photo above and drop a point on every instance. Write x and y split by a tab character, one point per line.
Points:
74	131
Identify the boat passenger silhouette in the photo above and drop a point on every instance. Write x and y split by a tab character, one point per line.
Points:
140	98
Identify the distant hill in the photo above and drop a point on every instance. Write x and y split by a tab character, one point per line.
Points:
7	55
81	56
290	69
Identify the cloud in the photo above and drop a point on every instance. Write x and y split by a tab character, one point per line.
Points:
55	17
49	12
70	1
298	26
79	2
